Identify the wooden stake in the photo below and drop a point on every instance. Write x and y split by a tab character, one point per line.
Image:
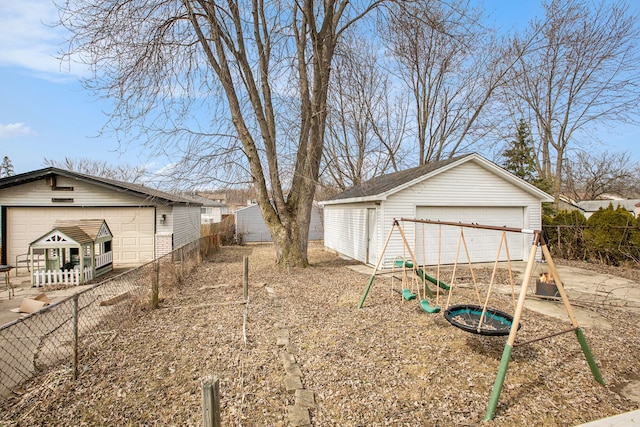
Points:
245	278
211	402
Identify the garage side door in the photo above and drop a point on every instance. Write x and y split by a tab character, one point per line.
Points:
482	244
133	229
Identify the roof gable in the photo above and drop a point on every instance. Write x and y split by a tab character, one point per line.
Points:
68	232
380	188
94	228
136	190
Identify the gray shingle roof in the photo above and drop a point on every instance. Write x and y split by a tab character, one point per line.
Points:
80	230
385	183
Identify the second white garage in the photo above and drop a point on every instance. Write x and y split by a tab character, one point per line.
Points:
467	189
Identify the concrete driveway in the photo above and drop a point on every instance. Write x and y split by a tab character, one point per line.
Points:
22	289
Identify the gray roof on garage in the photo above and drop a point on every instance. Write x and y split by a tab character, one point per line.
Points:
382	186
141	191
384	183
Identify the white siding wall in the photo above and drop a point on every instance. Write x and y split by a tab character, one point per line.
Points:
250	225
345	229
38	193
132	228
186	224
468	184
130	217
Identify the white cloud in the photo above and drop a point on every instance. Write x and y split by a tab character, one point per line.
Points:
13	130
29	40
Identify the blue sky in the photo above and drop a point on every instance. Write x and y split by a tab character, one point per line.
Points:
45	112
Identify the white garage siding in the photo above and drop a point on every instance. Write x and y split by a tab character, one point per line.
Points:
463	193
132	228
471	191
250	226
345	227
442	241
186	225
39	193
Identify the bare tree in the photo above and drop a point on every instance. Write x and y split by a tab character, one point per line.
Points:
452	65
120	172
366	121
582	72
589	176
178	69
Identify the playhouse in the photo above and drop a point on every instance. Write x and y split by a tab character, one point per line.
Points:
72	253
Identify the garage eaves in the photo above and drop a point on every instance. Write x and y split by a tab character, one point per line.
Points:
141	191
379	188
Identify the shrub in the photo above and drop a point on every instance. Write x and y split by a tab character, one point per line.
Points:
564	234
612	236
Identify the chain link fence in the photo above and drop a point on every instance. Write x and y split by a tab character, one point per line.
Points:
66	332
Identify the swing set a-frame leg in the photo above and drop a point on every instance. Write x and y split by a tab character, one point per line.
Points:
508	348
375	270
579	333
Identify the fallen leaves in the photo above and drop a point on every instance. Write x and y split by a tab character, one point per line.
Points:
389	363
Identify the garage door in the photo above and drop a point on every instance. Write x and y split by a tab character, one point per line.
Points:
482	244
133	230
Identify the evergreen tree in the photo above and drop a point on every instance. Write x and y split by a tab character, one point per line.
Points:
6	168
519	158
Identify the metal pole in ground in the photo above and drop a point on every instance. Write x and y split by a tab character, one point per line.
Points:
155	285
75	336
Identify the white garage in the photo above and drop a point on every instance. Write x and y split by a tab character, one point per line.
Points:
146	223
465	189
134	228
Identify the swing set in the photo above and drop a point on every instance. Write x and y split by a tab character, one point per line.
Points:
479	318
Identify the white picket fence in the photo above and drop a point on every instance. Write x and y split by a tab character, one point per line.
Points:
69	277
104	259
60	277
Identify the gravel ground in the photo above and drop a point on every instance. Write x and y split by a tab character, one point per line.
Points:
389	363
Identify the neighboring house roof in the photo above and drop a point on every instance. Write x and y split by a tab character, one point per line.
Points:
567	204
594	205
134	189
381	187
204	201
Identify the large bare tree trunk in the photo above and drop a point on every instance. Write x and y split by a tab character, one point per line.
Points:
160	60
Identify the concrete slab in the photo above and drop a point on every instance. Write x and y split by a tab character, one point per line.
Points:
586	318
22	287
584	287
623	420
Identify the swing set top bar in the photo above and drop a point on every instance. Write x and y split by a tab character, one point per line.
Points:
462	224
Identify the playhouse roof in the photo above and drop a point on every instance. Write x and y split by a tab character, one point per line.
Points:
82	231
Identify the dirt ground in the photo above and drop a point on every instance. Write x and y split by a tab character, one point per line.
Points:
388	364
